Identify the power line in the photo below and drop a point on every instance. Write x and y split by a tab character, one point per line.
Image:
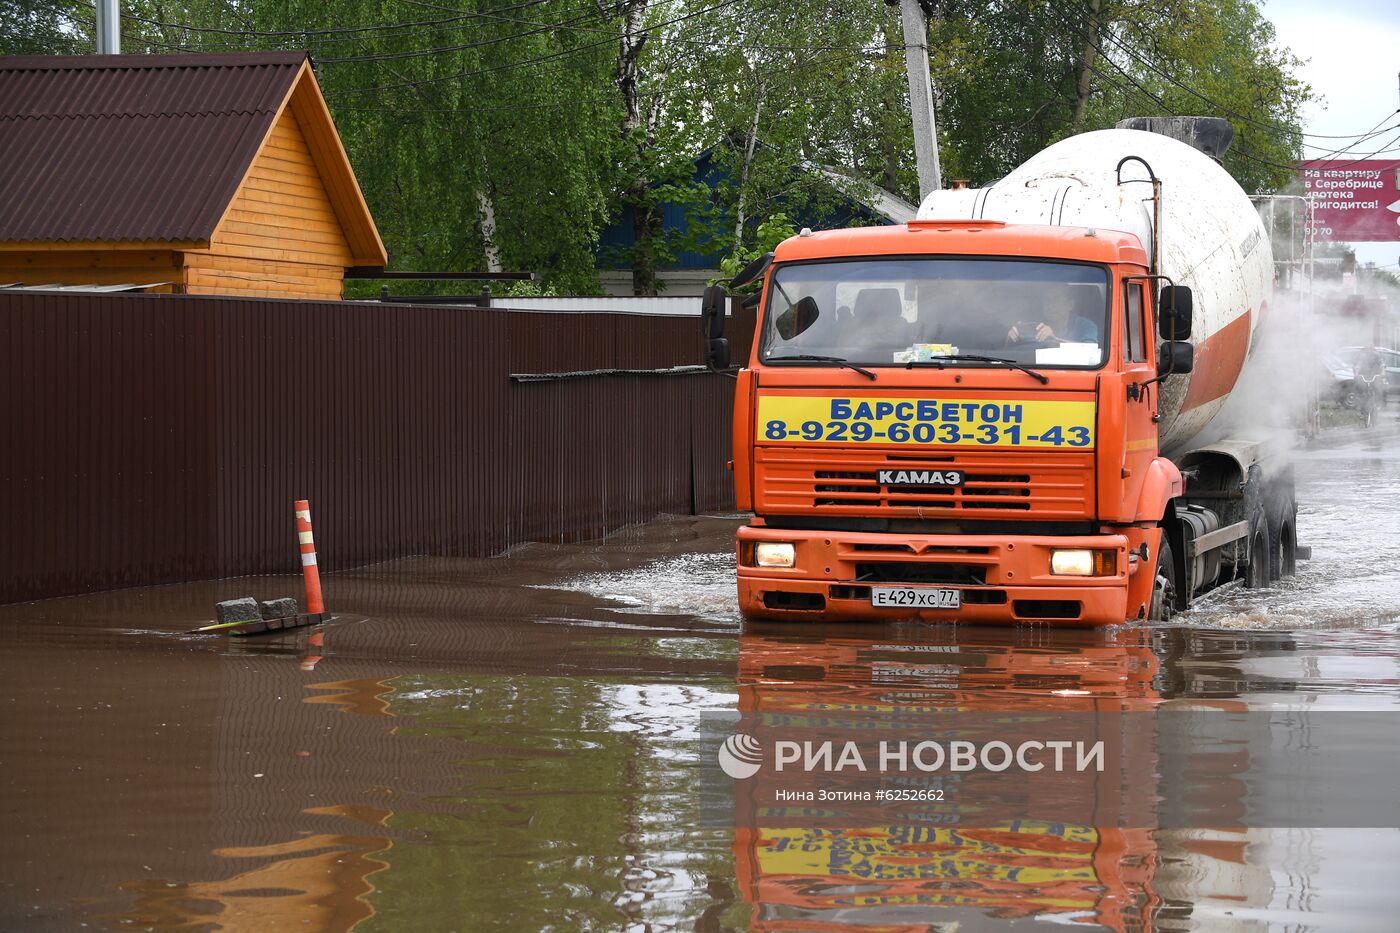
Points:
334	30
1370	134
1375	130
1385	148
750	47
545	59
319	41
434	25
1243	149
153	44
73	19
571	102
480	43
571	26
1214	103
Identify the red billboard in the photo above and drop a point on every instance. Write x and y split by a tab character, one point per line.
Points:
1354	200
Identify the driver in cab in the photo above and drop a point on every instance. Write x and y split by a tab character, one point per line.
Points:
1060	323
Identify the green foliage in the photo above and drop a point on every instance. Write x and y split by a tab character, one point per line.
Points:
456	110
440	119
1010	73
770	233
1227	52
56	28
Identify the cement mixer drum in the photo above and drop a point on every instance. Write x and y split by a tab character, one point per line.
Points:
1211	239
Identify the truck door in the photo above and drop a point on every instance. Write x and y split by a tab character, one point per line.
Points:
1140	430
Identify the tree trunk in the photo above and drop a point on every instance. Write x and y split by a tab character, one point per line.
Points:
749	145
1086	67
488	231
646	225
889	141
645	219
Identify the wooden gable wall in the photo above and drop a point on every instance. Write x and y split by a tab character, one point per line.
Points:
280	236
159	268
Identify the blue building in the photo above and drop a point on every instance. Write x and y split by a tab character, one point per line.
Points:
850	203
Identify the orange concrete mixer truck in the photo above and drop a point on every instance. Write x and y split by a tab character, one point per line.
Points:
1000	411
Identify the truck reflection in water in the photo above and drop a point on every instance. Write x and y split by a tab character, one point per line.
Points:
906	875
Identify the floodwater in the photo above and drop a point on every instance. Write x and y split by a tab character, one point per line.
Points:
512	744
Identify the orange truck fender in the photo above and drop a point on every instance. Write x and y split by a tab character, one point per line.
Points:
1162	484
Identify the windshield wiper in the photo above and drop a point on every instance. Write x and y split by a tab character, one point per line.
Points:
810	358
941	361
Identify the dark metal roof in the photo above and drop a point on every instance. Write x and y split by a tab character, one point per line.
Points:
131	147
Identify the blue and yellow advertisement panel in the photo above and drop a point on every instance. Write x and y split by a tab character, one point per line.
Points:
921	422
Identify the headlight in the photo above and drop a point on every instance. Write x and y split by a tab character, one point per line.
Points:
774	554
1084	562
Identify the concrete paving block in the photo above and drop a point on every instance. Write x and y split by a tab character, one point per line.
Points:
237	610
278	608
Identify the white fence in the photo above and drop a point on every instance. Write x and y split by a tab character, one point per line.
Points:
672	307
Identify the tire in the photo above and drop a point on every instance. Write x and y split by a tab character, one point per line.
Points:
1165	586
1283	537
1284	556
1256	572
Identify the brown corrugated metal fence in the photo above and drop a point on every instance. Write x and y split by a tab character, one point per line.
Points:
157	438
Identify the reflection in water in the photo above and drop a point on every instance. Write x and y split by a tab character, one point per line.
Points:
903	876
572	807
312	883
360	697
906	876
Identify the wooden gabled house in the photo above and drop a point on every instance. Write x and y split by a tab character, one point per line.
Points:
215	174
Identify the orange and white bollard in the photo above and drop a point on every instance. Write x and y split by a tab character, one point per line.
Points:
309	571
314	646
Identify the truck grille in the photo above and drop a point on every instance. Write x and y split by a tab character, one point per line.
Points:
1055	484
919	572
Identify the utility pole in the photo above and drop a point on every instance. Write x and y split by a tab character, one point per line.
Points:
109	28
921	95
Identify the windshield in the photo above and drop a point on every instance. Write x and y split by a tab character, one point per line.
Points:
890	312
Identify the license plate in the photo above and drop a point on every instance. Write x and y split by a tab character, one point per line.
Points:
915	597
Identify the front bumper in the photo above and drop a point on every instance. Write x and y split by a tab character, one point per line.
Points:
1004	579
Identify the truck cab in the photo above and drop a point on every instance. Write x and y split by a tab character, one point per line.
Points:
954	419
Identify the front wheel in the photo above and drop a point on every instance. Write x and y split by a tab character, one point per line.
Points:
1164	587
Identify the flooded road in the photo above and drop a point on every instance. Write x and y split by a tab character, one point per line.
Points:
514	744
1348	511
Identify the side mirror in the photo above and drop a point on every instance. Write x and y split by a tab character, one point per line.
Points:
1174	312
797	318
712	312
1175	357
752	271
717	353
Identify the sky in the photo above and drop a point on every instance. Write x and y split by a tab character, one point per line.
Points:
1351	55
